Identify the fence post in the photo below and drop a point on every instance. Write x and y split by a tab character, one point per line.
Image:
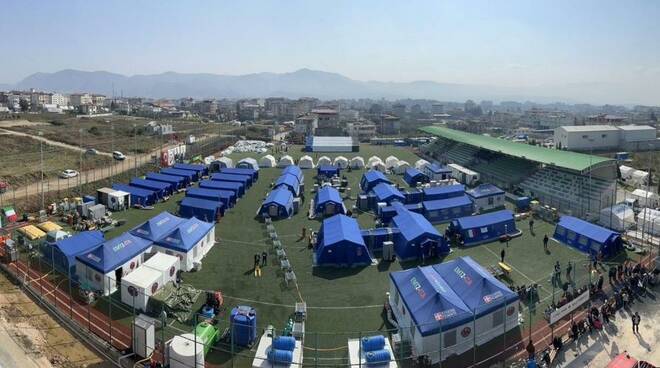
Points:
110	317
360	350
316	350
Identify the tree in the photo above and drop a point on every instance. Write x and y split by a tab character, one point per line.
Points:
24	104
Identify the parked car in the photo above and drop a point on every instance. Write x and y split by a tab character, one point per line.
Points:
68	173
91	151
118	156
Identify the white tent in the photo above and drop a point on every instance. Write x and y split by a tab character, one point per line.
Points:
372	160
167	265
324	160
421	164
391	162
401	167
645	198
357	162
267	161
648	221
379	166
618	217
639	178
223	162
248	163
306	162
341	161
285	161
138	286
626	172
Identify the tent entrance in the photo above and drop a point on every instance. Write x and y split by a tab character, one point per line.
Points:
427	247
118	274
273	211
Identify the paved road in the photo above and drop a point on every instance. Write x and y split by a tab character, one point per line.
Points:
51	142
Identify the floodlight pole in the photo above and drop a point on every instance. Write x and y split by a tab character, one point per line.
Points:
112	149
135	153
81	163
41	149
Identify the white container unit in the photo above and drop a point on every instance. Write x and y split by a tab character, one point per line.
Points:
138	286
167	265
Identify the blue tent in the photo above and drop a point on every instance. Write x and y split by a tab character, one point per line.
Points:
290	182
62	254
161	189
201	170
191	176
414	195
140	196
438	172
184	237
113	253
485	190
245	180
278	204
374	238
237	188
443	210
201	208
328	171
588	237
481	292
429	300
372	178
175	182
444	192
295	171
484	228
414	177
157	227
340	243
417	238
227	197
328	202
254	174
388	193
387	213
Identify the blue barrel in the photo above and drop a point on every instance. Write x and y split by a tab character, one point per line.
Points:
243	325
284	343
378	356
371	343
276	356
208	311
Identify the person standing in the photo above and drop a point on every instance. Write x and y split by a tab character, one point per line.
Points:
636	319
545	242
256	260
556	277
264	257
569	269
502	254
531	225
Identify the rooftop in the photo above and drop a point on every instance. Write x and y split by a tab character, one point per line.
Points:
589	128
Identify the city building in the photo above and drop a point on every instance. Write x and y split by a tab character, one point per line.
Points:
80	99
327	122
98	100
389	124
399	110
306	124
363	131
606	137
59	99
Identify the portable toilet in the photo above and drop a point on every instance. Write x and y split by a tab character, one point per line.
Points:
243	325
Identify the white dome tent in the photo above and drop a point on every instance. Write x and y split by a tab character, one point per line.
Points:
267	161
372	160
379	166
341	161
391	162
421	164
401	167
648	220
357	162
306	162
324	160
248	163
285	161
619	217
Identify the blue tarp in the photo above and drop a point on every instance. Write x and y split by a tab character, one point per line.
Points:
62	254
388	193
417	238
290	182
227	197
443	210
485	190
141	196
161	189
588	237
328	171
278	204
114	253
328	202
340	243
175	182
372	178
201	208
413	177
430	301
254	174
201	170
295	171
157	227
237	188
184	237
190	176
245	180
443	192
477	288
484	228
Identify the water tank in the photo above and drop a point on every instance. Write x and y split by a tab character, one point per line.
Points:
283	357
378	356
184	354
372	343
243	325
284	343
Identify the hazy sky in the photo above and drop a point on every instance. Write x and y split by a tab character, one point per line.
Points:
509	43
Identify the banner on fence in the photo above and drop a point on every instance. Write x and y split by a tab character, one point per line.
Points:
567	308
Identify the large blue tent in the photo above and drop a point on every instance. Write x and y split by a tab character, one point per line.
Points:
443	192
388	193
175	182
161	189
414	177
374	238
295	171
227	197
417	238
290	182
237	188
201	170
139	196
340	243
184	237
115	252
372	178
245	180
436	171
191	176
588	237
254	174
62	254
328	202
201	208
278	204
157	227
443	210
387	213
484	228
328	171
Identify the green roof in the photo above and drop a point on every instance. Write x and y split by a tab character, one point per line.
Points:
563	159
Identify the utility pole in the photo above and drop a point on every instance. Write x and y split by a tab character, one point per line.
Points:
81	163
135	148
112	150
41	149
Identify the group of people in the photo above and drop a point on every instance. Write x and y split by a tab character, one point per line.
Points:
260	260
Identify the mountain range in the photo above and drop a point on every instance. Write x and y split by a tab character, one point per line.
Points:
303	82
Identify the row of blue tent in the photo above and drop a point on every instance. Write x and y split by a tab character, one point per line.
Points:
279	202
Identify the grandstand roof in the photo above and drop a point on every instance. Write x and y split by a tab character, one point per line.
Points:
563	159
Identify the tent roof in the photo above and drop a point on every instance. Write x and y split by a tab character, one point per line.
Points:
412	224
295	171
217	193
140	192
157	227
484	190
280	196
340	228
619	210
328	168
114	252
80	243
177	172
445	189
157	185
437	168
591	231
164	177
440	204
412	172
200	203
186	235
289	180
199	168
384	190
220	184
471	222
328	194
49	226
239	178
375	175
142	277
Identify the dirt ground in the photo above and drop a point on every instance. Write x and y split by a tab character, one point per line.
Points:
30	338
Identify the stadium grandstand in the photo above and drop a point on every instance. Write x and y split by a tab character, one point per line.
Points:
574	183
